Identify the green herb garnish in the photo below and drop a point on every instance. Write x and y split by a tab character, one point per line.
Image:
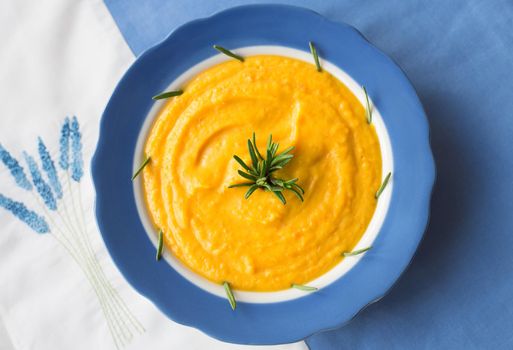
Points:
383	185
168	94
313	50
228	53
160	245
356	252
260	173
303	287
144	163
229	294
368	109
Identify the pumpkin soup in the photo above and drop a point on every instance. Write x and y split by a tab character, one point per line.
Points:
259	243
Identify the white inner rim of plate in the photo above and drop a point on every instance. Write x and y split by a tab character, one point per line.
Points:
346	264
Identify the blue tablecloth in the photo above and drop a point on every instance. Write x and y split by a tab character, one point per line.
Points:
458	292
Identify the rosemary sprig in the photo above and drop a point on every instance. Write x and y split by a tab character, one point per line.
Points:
303	287
160	245
313	50
228	53
229	294
356	252
260	173
368	109
383	185
144	163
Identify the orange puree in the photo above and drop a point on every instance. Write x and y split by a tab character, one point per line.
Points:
259	244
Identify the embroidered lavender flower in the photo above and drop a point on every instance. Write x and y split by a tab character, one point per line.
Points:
42	187
49	168
66	219
64	145
15	168
77	164
18	209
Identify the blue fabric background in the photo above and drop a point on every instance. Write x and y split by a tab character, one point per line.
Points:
458	292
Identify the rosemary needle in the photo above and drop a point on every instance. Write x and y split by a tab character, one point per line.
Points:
228	53
383	185
356	252
313	50
368	109
160	245
144	163
168	94
303	287
229	294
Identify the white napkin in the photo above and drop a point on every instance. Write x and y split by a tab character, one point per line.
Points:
59	63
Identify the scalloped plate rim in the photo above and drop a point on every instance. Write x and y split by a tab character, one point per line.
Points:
428	182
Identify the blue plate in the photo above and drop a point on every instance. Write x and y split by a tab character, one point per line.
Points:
332	306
